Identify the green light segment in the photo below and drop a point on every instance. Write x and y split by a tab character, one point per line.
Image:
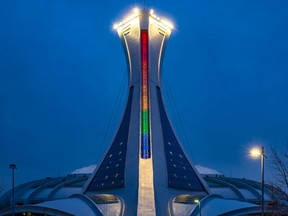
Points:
145	122
145	114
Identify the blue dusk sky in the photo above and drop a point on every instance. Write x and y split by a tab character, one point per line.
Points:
63	82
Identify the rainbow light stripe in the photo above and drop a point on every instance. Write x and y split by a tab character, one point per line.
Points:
145	129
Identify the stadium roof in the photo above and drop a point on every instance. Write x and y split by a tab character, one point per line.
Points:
63	195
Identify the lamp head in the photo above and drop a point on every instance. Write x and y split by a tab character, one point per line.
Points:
255	152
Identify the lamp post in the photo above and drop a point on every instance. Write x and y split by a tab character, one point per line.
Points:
256	152
199	203
13	167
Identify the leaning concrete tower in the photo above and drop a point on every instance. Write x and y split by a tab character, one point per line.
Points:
145	166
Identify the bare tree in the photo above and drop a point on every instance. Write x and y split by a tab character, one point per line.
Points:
279	162
279	165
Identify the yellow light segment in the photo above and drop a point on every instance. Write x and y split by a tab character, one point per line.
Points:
255	152
115	26
168	24
136	10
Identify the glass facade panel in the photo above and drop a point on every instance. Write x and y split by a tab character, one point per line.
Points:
111	172
180	173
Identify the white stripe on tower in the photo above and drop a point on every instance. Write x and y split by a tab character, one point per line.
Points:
146	199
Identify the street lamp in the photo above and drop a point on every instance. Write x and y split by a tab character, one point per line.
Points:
197	201
255	153
13	167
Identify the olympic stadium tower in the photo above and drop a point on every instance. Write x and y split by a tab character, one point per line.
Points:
145	170
145	165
